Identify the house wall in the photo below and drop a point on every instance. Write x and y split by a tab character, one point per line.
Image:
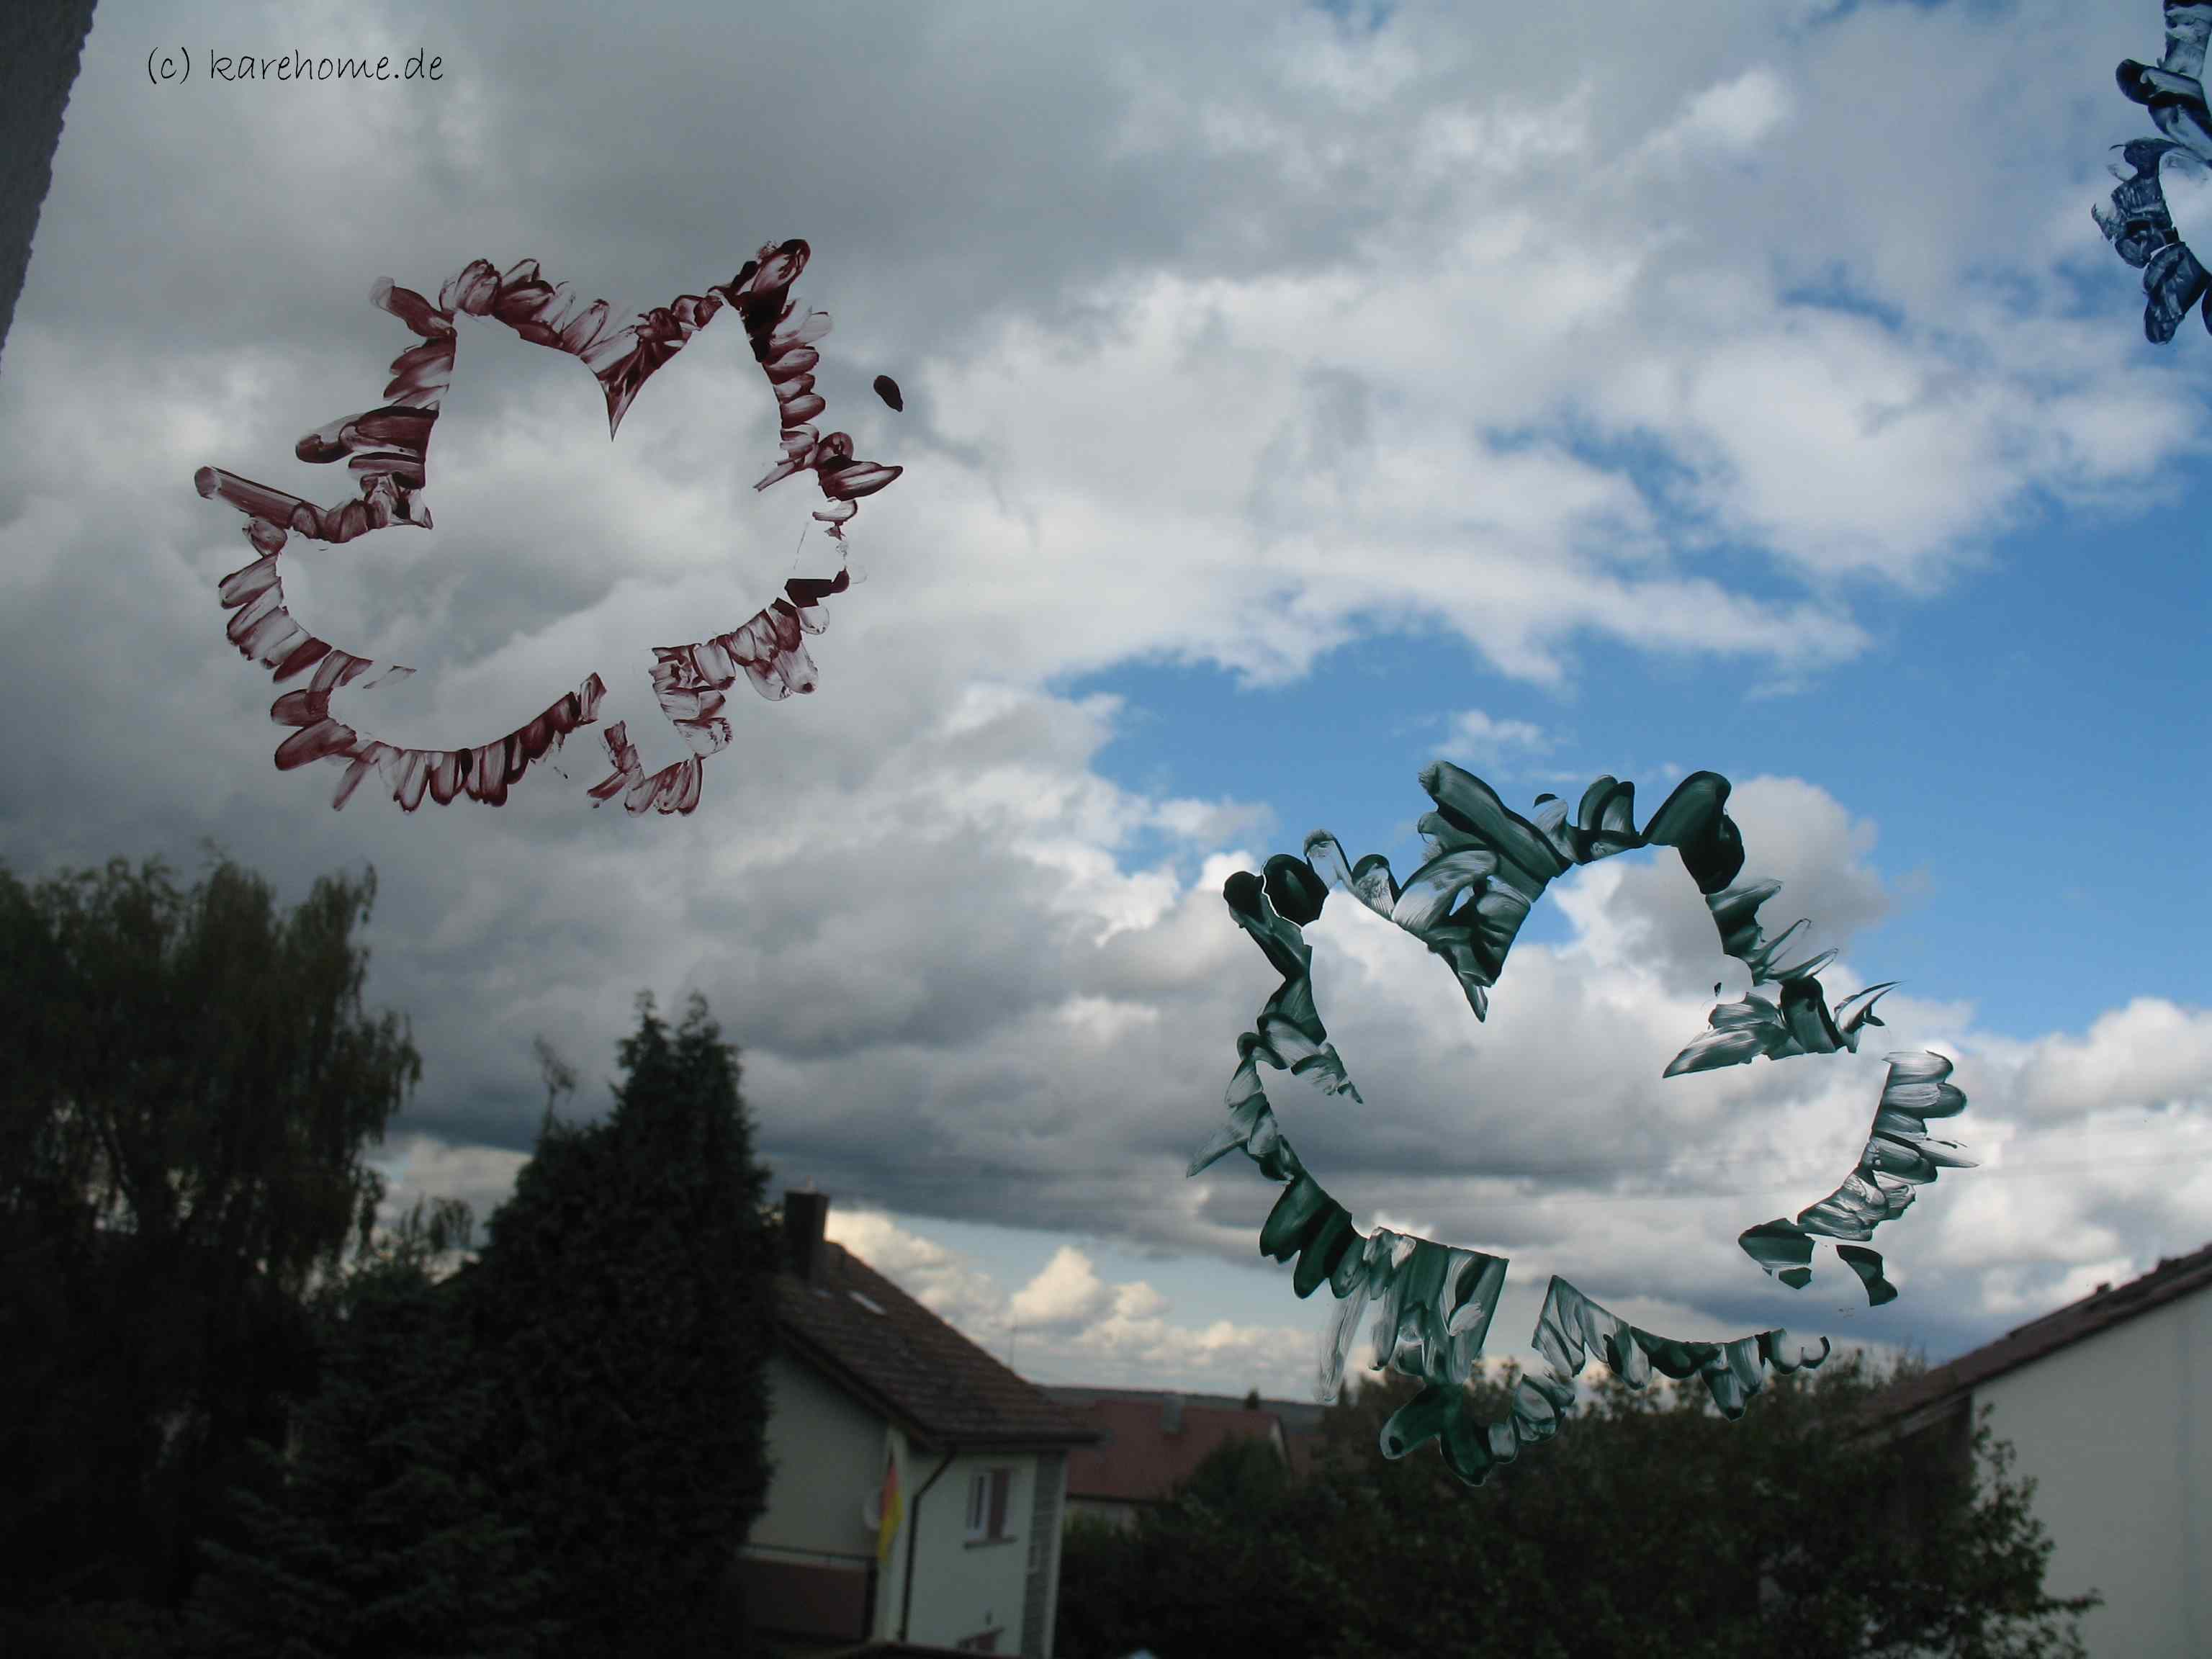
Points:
828	1450
2108	1427
1041	1599
806	1567
961	1589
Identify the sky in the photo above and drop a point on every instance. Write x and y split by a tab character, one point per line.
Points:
1293	395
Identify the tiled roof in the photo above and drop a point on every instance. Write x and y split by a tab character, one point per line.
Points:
2169	1281
1298	1416
1139	1459
854	1323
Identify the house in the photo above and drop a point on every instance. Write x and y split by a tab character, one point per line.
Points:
2104	1404
918	1481
1150	1442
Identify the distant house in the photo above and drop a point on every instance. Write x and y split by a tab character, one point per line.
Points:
869	1382
2104	1402
1150	1442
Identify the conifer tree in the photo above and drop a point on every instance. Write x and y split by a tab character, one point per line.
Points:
377	1534
624	1304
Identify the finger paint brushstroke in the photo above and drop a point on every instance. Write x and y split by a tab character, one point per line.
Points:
1487	867
2138	221
387	451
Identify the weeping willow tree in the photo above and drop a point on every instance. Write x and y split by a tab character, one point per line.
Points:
188	1081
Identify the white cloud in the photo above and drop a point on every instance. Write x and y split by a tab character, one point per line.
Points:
1642	909
1141	1350
1481	737
1397	1223
1067	1325
1208	823
1066	1292
1731	116
2150	1055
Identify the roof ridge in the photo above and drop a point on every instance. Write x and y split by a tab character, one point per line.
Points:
2086	1317
1205	1399
2169	1268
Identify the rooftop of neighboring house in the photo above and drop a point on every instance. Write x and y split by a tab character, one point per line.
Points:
2108	1305
893	1651
881	1345
1298	1416
1151	1442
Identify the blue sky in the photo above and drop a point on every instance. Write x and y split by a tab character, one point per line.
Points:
2030	742
1291	399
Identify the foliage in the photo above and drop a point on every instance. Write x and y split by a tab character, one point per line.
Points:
624	1307
1233	1560
381	1536
556	1449
1650	1521
109	1630
187	1083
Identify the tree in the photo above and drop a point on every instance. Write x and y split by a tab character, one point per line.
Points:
1648	1523
382	1535
558	1075
1235	1564
187	1083
623	1303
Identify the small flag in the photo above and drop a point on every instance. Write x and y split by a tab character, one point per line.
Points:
894	1510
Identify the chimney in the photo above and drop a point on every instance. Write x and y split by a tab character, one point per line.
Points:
804	1214
1171	1415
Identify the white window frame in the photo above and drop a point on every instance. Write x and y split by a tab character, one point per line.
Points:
980	1486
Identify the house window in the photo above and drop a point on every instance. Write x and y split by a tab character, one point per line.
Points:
987	1505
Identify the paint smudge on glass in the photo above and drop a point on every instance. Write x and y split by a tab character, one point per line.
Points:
1899	1156
387	449
2139	220
1486	865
